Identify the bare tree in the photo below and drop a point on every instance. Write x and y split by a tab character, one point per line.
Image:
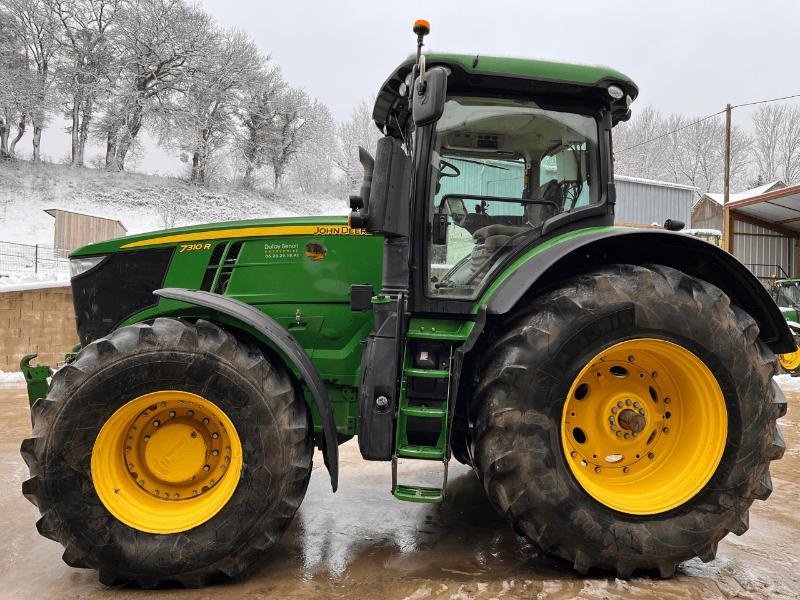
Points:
85	61
156	41
36	29
358	130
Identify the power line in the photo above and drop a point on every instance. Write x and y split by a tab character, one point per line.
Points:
765	101
663	135
706	118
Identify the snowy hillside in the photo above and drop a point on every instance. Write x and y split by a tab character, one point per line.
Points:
140	202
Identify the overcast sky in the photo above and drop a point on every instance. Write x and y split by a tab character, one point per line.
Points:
690	56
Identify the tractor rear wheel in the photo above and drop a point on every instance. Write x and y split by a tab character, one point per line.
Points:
168	453
626	419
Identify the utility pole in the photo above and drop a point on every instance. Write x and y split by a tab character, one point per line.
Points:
727	222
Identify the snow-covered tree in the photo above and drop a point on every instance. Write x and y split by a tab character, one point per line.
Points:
201	120
84	63
36	30
358	130
776	142
156	42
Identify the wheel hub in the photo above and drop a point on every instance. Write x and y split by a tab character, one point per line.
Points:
177	449
162	462
644	426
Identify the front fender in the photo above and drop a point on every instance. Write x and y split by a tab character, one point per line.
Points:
574	252
285	343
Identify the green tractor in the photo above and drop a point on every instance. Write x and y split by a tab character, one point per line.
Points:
612	388
786	293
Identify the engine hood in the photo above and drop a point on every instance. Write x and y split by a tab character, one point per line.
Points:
208	232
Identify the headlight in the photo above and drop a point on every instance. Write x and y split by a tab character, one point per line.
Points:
78	266
615	92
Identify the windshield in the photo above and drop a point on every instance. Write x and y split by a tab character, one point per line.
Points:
500	168
789	295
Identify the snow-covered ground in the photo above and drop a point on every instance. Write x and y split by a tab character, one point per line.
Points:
141	202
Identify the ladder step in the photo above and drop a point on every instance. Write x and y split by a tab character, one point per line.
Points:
430	373
420	452
413	493
423	411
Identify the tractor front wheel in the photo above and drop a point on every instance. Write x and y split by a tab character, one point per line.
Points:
626	419
168	452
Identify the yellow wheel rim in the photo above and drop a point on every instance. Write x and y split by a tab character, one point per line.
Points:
791	361
644	426
166	462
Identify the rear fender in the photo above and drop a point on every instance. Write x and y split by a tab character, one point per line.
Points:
284	342
686	253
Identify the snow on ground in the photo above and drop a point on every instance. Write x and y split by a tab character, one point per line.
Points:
788	383
11	377
32	281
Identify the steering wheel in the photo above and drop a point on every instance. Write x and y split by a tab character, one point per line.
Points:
448	165
570	192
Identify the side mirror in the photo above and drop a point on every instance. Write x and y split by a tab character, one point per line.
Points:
427	96
440	225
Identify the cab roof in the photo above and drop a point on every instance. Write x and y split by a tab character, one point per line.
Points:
502	74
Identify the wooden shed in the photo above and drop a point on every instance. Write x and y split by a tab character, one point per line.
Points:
73	230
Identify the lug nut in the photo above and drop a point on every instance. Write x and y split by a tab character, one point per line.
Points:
215	452
625	469
190	413
172	413
619	434
665	430
666	400
636	405
630	358
650	455
214	435
146	438
620	404
614	410
206	468
573	454
641	411
597	469
156	423
627	436
205	421
610	419
381	402
627	402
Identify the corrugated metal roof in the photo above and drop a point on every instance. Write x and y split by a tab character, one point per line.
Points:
669	184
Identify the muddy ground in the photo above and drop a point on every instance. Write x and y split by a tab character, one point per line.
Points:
361	543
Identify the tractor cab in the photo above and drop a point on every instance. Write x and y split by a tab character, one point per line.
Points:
502	152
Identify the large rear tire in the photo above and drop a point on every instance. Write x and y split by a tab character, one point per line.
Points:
662	483
169	452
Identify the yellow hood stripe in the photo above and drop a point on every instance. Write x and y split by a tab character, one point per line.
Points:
244	232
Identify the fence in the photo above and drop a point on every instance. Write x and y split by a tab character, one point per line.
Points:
25	259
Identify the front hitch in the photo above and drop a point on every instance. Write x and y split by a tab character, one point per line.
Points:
35	378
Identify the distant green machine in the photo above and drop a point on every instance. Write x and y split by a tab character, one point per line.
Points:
786	293
610	386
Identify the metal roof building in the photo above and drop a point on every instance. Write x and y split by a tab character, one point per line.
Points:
643	202
763	227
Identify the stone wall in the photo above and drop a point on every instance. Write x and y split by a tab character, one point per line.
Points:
36	321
